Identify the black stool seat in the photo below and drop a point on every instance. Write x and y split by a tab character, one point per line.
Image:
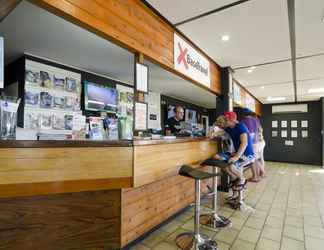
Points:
190	172
215	163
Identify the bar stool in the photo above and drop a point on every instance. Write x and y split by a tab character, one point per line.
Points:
195	240
214	220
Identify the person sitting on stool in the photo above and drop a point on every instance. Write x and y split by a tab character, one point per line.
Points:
242	144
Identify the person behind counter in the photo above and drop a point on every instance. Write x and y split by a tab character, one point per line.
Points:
173	124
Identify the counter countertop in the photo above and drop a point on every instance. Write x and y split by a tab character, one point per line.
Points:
59	144
169	141
90	143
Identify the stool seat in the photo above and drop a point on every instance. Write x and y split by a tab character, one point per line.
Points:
190	172
215	163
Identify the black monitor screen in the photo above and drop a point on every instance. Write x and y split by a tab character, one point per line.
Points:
100	98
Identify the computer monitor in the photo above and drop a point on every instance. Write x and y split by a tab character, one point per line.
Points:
100	97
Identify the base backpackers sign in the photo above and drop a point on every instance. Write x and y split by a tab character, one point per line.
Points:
190	62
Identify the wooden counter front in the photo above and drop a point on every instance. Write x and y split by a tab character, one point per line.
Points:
36	171
163	158
159	191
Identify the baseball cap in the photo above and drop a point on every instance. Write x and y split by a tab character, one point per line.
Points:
230	115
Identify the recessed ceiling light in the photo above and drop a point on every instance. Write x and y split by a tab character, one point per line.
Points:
319	90
253	67
225	38
275	99
262	87
250	70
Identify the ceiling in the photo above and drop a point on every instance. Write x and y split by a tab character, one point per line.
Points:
166	83
43	34
259	36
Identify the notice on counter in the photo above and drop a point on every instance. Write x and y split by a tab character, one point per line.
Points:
140	116
141	77
79	122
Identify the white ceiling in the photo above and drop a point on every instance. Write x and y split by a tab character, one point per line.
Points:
30	29
259	34
172	9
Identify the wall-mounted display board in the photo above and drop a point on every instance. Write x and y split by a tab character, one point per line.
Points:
52	97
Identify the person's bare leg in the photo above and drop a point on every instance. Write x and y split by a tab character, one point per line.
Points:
262	165
255	171
230	173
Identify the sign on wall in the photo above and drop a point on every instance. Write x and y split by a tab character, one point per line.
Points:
1	62
190	62
250	102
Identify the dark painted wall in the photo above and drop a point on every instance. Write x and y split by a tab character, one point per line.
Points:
305	150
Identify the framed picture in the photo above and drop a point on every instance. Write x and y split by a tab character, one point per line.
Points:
294	124
140	116
284	133
274	124
294	133
141	77
304	133
284	124
274	133
304	124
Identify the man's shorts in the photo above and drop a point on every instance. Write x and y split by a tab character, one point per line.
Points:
242	162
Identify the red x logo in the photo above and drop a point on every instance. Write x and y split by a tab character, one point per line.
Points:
182	56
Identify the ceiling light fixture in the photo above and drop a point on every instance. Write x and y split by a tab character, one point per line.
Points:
262	87
319	90
225	38
275	99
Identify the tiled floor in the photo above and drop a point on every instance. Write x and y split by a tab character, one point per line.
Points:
289	215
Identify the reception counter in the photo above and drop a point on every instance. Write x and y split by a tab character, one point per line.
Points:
92	195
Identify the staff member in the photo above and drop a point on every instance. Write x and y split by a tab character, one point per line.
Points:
173	124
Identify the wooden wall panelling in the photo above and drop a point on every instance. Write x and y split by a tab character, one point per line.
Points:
51	170
130	24
6	6
155	162
147	206
87	220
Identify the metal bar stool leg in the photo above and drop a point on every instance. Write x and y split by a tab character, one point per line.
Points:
194	240
242	205
215	220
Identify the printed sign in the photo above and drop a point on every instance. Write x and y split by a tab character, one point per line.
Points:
250	102
1	62
190	62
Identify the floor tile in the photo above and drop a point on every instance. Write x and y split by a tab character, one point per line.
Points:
271	233
165	246
249	234
294	233
242	245
227	235
255	223
266	244
314	244
291	244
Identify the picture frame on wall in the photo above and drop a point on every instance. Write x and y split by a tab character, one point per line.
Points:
141	77
294	124
304	124
284	124
274	124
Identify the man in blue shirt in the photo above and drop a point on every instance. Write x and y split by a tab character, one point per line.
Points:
243	145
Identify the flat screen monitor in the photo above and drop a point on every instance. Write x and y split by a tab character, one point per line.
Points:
1	62
100	97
